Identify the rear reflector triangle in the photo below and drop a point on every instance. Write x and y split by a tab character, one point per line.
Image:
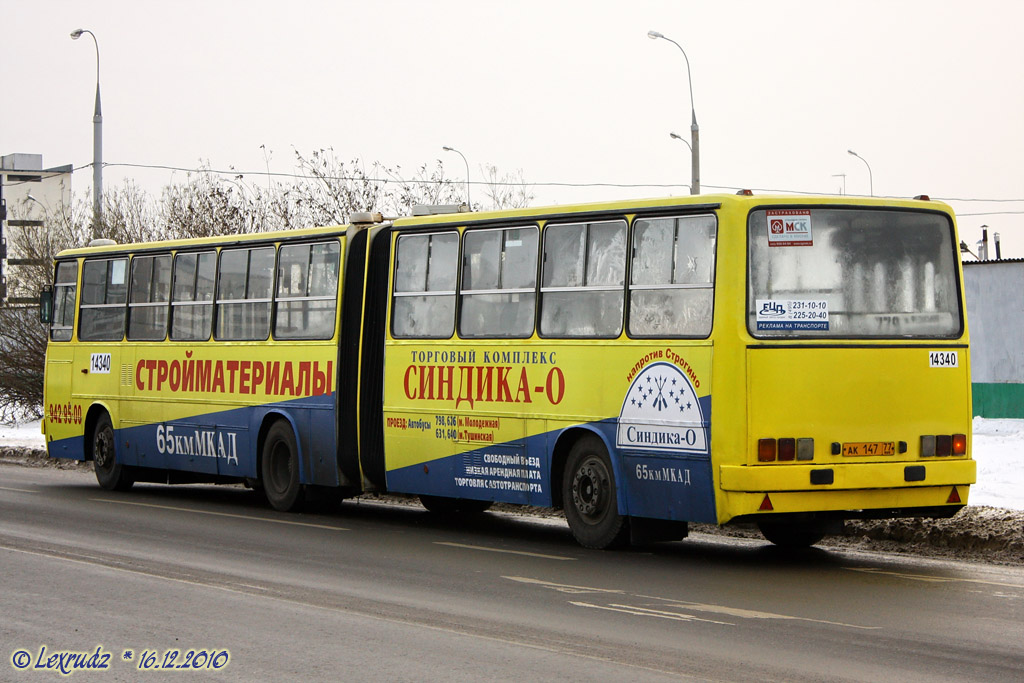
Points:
954	497
766	504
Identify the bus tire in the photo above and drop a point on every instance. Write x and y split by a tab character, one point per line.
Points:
793	536
280	468
442	505
110	474
589	496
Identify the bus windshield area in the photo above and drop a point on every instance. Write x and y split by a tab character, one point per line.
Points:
837	272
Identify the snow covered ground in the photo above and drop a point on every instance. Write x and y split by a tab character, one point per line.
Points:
998	448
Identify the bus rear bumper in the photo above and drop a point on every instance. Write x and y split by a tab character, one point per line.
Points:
857	491
848	476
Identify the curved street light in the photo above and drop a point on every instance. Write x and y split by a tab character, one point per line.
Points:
97	142
469	201
694	128
677	136
871	180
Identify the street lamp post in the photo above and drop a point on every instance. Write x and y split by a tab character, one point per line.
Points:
469	202
97	142
694	128
871	180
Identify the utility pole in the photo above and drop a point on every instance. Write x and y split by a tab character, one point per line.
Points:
3	242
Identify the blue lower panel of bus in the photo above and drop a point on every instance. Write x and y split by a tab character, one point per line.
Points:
224	443
675	486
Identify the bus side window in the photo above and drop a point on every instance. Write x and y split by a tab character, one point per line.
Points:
673	275
148	297
192	296
426	267
499	283
584	273
244	284
65	284
104	295
307	291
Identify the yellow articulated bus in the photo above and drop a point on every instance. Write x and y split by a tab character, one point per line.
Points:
782	360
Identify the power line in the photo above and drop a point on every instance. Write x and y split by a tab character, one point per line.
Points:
421	181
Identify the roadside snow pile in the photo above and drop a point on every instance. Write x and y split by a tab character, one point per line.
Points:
976	532
35	457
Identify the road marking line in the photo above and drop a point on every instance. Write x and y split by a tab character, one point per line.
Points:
222	514
500	550
642	612
8	488
676	604
931	578
563	587
749	614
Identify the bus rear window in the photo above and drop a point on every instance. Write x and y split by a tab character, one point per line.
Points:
816	272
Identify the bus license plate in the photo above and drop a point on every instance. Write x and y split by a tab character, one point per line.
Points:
870	448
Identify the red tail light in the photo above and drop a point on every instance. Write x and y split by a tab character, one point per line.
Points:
766	450
787	449
959	444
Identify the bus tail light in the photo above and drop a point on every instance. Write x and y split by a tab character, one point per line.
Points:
943	444
787	449
805	449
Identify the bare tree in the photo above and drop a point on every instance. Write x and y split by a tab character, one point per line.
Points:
22	355
326	192
506	190
130	215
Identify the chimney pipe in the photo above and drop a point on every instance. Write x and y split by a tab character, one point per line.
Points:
999	255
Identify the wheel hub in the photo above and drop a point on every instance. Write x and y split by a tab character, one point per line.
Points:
587	489
102	450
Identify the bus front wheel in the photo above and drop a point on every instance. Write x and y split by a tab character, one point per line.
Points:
589	496
110	474
280	468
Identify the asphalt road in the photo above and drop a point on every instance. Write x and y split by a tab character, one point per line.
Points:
390	592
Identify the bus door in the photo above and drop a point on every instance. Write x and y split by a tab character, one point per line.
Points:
64	416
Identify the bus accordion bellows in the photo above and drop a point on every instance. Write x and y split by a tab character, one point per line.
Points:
787	361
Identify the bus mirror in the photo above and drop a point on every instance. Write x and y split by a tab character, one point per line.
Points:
46	305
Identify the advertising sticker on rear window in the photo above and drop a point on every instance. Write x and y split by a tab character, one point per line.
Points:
803	314
789	227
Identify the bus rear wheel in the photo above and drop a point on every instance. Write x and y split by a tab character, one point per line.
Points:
280	468
110	474
589	496
442	505
793	535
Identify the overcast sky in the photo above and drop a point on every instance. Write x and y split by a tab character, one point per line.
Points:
931	94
